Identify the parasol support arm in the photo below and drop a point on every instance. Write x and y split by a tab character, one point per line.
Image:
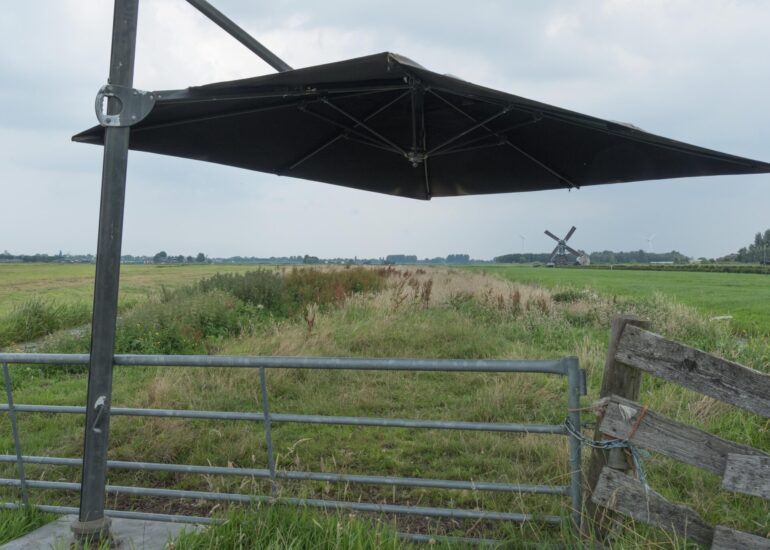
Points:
229	26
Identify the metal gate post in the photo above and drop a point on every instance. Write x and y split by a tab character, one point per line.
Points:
574	389
15	433
92	522
268	430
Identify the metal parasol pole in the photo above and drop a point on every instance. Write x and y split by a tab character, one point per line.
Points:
91	521
125	106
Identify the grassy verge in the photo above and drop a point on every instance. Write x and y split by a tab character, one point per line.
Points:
38	299
696	268
284	528
745	297
15	523
389	313
38	317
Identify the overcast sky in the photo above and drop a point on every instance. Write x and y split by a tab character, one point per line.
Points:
696	71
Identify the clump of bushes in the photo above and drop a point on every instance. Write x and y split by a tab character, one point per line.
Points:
568	295
37	317
290	294
195	319
188	323
180	323
261	288
312	286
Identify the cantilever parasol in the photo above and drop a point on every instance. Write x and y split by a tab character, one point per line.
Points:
384	123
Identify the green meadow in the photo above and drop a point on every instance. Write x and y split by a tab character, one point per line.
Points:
403	312
744	296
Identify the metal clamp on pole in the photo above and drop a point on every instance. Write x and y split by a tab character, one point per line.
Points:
133	105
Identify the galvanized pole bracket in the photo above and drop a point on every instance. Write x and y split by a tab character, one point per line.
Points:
132	105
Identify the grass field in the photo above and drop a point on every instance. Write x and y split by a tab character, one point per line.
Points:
744	296
401	313
68	283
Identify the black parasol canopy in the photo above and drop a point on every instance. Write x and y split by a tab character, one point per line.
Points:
383	123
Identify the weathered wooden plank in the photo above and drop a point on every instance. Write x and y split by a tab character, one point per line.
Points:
618	379
695	369
622	493
747	474
663	435
730	539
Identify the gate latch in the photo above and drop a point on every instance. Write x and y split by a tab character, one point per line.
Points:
132	105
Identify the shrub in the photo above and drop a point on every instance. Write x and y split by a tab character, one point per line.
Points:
314	286
568	296
189	323
36	317
195	319
261	288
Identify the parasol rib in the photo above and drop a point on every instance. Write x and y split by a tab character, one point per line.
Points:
465	145
467	149
616	129
363	125
506	141
252	110
469	130
350	130
342	135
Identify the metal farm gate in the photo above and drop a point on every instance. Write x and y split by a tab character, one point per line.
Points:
567	367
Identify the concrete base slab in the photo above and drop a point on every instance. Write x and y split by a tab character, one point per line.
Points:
128	534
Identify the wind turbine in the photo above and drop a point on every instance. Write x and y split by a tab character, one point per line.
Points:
523	241
649	242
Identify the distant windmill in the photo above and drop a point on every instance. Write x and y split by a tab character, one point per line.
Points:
523	241
560	254
649	243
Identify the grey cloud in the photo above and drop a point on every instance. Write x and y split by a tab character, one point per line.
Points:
691	70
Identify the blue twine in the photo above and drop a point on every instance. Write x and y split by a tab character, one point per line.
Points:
610	444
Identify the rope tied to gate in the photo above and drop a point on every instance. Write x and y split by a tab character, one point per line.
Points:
607	444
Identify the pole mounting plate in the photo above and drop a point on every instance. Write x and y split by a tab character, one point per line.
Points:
132	105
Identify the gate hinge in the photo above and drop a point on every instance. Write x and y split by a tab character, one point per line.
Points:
133	105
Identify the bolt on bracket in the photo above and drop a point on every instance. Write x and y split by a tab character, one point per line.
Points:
132	105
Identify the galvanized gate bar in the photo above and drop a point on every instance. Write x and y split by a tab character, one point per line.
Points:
15	433
147	516
429	511
557	366
557	429
52	359
306	476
